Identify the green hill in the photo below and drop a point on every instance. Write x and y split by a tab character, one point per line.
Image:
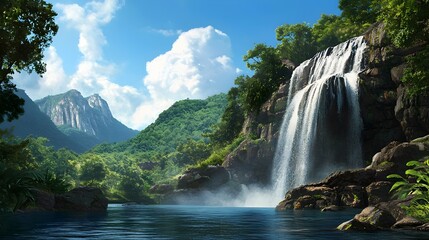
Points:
185	119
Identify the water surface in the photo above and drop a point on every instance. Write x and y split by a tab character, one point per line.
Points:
187	222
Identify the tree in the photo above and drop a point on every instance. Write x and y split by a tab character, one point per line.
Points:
93	169
407	24
360	12
26	29
296	42
270	72
406	20
231	122
192	152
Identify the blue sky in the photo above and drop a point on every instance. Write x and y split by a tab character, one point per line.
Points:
143	55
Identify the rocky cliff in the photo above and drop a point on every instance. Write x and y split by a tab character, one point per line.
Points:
84	117
252	161
387	113
37	124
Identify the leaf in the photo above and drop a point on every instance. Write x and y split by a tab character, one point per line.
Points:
396	176
397	185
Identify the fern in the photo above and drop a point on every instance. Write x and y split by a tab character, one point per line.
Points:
417	185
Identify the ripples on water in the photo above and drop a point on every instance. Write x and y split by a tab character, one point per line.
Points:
187	222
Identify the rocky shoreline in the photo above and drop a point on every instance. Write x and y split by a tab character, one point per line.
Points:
366	188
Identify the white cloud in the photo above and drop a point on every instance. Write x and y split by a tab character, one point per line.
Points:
54	79
197	66
167	32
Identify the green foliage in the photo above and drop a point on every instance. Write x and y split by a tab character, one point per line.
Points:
27	164
416	185
26	29
132	185
331	30
269	74
192	152
360	12
416	74
52	183
218	155
93	169
406	20
15	188
231	122
407	24
186	119
296	42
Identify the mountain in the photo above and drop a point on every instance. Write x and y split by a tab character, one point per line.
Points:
87	120
34	122
185	119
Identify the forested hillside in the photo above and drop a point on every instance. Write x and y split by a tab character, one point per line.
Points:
184	120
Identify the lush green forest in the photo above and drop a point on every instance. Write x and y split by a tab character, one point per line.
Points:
192	132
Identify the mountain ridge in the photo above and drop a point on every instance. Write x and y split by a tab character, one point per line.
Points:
85	119
35	123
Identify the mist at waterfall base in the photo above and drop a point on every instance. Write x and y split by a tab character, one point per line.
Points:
320	132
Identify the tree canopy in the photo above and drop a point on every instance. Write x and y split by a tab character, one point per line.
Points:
26	29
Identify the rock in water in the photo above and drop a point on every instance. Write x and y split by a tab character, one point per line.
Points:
82	199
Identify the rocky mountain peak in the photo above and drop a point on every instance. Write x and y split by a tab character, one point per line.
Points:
90	115
96	102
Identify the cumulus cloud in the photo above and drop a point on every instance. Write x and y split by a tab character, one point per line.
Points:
54	80
93	74
197	66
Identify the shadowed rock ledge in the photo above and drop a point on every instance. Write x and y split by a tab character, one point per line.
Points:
81	199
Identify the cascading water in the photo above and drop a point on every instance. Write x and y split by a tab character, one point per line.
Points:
321	127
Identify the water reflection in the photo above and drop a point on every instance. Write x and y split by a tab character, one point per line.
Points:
185	222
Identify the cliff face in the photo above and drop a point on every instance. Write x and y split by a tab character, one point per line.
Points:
252	161
387	113
36	123
71	111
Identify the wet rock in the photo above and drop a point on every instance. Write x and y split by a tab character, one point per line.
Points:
371	218
161	188
378	192
354	196
407	222
210	177
251	162
331	208
424	227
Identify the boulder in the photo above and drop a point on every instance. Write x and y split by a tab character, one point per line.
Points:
394	157
371	218
354	196
211	177
378	192
81	199
43	200
407	222
384	215
161	188
251	162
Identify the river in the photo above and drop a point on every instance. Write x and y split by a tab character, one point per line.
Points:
187	222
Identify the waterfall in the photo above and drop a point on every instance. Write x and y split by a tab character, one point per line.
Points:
321	128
